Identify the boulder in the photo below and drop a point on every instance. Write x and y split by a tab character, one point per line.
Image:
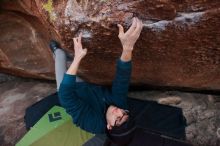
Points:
178	47
24	47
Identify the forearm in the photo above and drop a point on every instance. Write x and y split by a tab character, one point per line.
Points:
74	67
126	55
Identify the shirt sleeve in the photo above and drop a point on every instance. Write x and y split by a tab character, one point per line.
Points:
69	80
121	83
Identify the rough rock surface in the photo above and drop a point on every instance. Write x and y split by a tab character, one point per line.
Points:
24	46
179	45
201	111
15	97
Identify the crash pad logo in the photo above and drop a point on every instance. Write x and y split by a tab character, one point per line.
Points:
54	117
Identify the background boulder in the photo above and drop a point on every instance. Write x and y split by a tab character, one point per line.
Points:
179	45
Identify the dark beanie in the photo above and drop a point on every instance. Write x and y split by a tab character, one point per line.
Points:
123	134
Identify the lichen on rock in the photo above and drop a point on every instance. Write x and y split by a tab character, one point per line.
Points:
49	8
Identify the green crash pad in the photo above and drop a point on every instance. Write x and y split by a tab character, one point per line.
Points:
55	128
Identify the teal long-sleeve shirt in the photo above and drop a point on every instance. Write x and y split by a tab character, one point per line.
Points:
87	103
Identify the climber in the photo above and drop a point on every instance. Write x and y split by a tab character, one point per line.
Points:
109	113
94	108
